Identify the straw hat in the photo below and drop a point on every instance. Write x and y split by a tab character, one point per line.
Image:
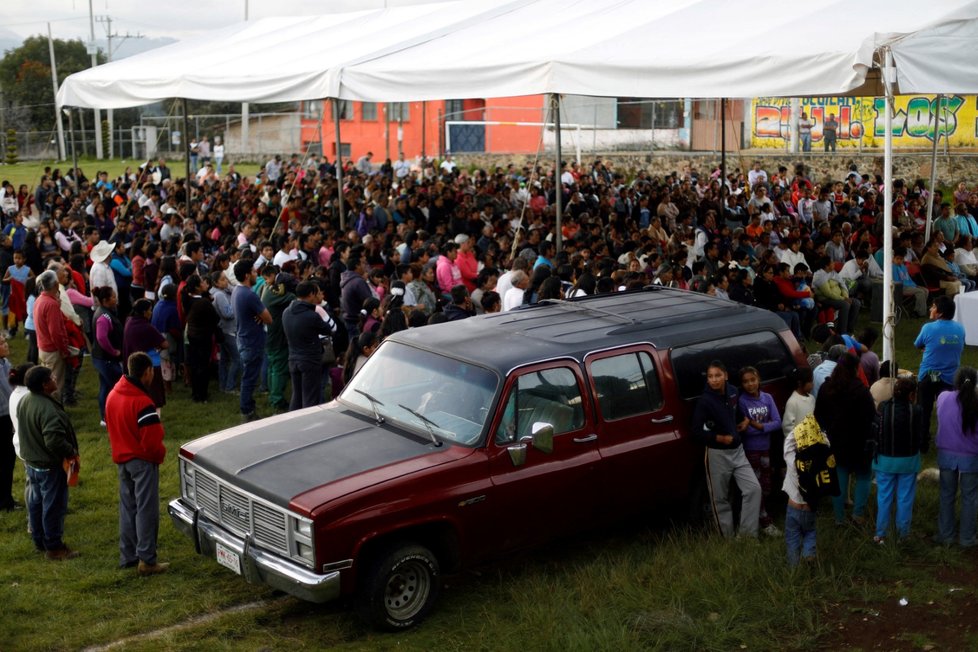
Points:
101	251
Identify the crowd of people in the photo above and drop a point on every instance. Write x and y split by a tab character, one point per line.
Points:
254	284
850	419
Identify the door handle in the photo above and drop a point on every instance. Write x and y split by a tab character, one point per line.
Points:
585	439
665	419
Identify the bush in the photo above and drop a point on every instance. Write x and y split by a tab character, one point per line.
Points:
10	157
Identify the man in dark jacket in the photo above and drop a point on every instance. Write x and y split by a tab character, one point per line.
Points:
353	292
304	328
47	438
717	425
136	439
461	305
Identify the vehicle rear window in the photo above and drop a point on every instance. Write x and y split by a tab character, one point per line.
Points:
763	350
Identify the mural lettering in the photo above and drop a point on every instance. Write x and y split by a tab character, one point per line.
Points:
917	120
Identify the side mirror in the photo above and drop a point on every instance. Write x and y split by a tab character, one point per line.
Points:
543	437
517	454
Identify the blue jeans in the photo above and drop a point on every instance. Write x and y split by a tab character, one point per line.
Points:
863	485
251	365
799	534
806	142
950	479
139	511
109	374
46	507
229	365
901	487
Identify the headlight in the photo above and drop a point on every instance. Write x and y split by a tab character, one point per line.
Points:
305	551
303	527
189	483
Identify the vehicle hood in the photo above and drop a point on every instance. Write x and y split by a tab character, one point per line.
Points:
281	457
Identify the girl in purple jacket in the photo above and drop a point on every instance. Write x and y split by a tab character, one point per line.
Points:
763	419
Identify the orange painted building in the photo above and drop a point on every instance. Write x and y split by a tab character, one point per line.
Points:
419	127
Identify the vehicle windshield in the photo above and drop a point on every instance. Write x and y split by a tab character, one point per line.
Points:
452	396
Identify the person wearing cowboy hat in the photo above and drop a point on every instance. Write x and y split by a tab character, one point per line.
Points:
101	274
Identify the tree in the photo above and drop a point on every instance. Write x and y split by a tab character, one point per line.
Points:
25	76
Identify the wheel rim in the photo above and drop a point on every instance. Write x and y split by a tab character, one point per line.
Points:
407	589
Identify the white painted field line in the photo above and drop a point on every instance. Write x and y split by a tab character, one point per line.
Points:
193	622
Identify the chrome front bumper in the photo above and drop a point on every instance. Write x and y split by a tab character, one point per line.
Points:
257	565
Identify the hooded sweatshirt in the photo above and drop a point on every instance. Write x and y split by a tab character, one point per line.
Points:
716	414
353	292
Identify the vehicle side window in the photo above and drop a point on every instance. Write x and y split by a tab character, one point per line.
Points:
548	396
626	385
763	350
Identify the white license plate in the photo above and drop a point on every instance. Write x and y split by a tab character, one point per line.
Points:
228	558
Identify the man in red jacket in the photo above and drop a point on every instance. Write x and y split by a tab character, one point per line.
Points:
136	438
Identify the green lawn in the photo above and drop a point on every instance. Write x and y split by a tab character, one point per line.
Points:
30	172
642	586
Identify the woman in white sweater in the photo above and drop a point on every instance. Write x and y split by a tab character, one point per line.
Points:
799	522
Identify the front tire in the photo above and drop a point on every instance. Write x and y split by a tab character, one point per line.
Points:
400	587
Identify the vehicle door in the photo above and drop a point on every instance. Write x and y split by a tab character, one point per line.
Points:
536	494
644	461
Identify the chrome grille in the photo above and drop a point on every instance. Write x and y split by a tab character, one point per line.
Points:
270	526
235	510
241	512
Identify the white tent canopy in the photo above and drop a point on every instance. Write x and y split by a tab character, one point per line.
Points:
634	48
280	59
637	48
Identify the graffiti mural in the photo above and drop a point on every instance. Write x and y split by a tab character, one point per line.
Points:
861	119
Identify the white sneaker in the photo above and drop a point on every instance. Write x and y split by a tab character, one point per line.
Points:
772	530
102	423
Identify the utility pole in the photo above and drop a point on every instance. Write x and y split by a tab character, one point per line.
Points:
244	110
109	35
57	111
93	50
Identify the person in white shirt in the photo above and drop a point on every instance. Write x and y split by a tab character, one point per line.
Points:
756	176
792	255
218	153
401	167
284	254
448	165
964	256
514	295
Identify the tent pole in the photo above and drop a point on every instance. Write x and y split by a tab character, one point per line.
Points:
888	303
933	167
558	170
339	163
723	158
186	154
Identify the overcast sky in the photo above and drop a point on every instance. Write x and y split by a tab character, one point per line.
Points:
178	19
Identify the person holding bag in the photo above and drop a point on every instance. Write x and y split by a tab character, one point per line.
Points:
902	437
845	410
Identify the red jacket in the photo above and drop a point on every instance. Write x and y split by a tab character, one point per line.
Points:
135	430
49	324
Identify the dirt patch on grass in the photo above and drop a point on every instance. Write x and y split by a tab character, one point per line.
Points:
946	622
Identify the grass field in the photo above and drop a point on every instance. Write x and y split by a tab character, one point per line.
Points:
30	172
641	586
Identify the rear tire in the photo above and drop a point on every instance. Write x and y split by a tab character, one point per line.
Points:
400	587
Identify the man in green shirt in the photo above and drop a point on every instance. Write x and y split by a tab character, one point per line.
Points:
47	438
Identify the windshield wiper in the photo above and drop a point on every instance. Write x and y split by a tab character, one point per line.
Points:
373	404
428	423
